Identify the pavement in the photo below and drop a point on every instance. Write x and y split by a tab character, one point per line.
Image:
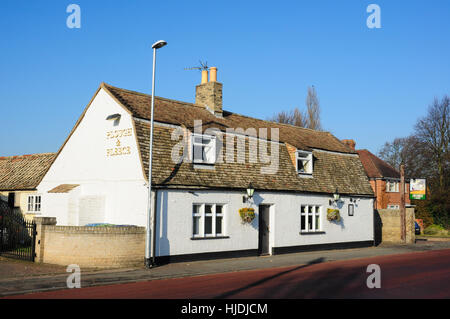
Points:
19	277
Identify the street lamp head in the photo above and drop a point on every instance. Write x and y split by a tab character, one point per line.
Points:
159	44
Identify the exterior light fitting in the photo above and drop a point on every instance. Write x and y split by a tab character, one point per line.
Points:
336	197
150	237
159	44
250	191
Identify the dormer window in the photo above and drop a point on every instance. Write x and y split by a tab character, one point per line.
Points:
304	162
204	149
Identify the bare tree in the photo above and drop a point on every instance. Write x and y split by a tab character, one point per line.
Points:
313	109
426	155
309	119
293	117
411	152
433	130
392	152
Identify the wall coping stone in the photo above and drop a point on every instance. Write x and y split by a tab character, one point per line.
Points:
40	220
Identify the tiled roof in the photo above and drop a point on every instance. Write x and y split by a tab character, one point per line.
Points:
376	167
24	172
63	188
182	113
331	170
340	168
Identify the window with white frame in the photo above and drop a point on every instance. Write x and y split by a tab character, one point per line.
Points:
393	206
34	203
304	162
196	218
204	149
208	220
392	186
310	218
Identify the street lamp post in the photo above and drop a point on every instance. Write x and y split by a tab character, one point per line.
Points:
149	251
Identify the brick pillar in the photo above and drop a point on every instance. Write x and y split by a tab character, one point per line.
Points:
410	218
41	222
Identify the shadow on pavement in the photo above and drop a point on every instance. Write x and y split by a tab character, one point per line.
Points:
259	282
327	283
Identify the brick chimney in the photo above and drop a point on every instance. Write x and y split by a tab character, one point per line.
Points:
209	94
349	143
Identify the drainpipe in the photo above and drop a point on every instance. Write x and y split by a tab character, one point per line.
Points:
153	252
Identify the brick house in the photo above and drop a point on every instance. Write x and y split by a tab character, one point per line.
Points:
204	159
384	179
19	178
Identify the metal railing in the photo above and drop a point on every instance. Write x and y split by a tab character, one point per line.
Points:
17	235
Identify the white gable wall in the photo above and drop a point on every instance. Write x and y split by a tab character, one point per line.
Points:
112	187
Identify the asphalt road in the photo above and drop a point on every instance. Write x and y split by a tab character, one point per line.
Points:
407	275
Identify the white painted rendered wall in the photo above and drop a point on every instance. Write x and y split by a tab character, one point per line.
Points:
83	160
174	221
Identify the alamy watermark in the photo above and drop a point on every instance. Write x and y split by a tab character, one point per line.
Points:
374	19
213	146
74	19
374	279
74	279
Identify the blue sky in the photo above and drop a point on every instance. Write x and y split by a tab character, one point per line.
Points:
373	84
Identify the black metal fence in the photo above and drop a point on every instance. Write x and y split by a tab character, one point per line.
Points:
17	235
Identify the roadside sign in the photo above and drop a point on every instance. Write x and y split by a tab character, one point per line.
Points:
417	188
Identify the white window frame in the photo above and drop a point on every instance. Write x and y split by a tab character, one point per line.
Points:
34	203
201	214
311	211
393	206
222	215
204	146
307	157
197	215
395	186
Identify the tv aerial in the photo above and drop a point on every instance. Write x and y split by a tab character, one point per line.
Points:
202	67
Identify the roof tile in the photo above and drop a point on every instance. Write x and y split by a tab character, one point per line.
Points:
24	172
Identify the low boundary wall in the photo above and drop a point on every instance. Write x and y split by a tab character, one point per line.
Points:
89	246
387	226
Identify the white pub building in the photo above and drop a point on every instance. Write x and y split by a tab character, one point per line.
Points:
310	190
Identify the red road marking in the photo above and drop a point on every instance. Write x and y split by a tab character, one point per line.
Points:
412	275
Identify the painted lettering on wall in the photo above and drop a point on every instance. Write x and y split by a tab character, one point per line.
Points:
118	148
118	151
119	133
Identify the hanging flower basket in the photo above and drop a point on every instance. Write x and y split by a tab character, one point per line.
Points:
333	215
247	214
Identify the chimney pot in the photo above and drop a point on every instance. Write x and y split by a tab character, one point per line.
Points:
204	76
349	143
213	74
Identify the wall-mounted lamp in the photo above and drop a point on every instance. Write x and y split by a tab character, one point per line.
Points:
336	197
250	191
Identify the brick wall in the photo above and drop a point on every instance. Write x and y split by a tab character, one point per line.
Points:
385	198
89	246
